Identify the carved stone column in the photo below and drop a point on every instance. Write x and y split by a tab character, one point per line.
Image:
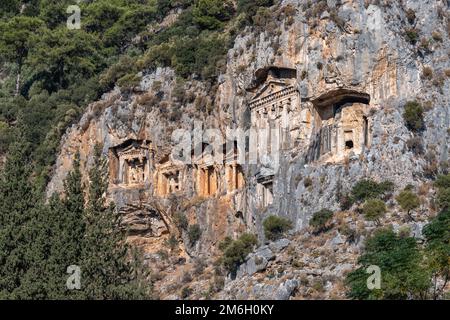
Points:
234	177
120	176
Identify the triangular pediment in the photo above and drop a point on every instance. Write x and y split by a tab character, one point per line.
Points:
269	88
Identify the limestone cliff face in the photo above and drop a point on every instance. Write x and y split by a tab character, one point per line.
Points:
337	78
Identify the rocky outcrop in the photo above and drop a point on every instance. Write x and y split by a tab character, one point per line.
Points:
350	69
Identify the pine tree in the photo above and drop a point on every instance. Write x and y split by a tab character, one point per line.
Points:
108	270
17	37
17	207
57	231
68	233
35	282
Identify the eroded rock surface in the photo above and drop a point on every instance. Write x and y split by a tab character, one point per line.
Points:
333	87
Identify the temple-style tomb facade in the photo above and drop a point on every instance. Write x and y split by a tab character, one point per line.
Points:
329	126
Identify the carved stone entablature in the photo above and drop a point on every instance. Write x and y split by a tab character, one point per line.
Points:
277	97
341	125
274	92
275	105
130	163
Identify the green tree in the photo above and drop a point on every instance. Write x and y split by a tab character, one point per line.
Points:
17	37
275	226
134	19
235	252
443	196
209	14
107	271
9	7
443	181
437	251
70	229
320	220
56	235
408	201
62	57
250	7
369	189
403	274
102	15
373	210
17	209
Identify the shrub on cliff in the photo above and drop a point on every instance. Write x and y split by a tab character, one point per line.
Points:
443	181
194	233
408	201
373	210
413	116
275	226
320	220
369	189
443	195
346	201
250	7
237	250
412	35
186	292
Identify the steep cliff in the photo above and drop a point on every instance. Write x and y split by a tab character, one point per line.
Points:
347	69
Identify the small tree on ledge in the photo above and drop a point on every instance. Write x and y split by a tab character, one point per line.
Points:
275	227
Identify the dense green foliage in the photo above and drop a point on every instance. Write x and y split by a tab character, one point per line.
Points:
235	252
369	189
408	200
374	209
402	272
209	14
18	217
408	270
275	227
52	72
40	241
443	196
320	220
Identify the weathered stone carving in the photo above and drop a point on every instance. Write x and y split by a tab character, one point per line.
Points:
168	177
275	105
234	174
341	125
264	190
130	163
207	180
